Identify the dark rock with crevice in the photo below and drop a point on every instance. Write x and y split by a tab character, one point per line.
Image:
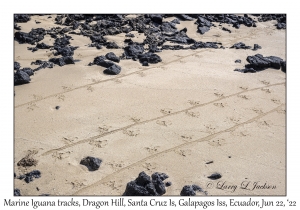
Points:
34	36
112	70
17	65
63	60
29	177
190	190
42	64
283	66
259	62
240	45
256	47
200	44
238	61
21	77
149	57
91	163
111	56
143	185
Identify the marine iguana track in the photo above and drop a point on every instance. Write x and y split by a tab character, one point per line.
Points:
101	81
153	119
209	137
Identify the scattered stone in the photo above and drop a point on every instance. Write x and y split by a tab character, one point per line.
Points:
112	45
57	107
184	17
112	70
168	184
42	64
63	60
240	45
226	29
65	51
29	177
197	45
21	77
91	163
246	70
238	61
209	162
149	57
259	62
256	47
16	27
100	61
144	186
190	190
283	66
215	176
132	51
172	47
17	192
111	56
129	35
16	66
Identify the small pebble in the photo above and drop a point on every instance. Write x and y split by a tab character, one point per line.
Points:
57	107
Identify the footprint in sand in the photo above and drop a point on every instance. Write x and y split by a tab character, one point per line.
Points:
90	88
149	166
115	165
240	133
210	129
60	97
32	106
264	124
164	122
257	110
98	143
66	88
186	137
61	155
192	114
135	119
281	111
266	90
103	129
218	94
166	111
243	88
76	184
217	142
37	97
142	74
265	82
118	81
244	97
132	133
113	185
234	119
183	152
276	101
193	103
219	105
152	149
68	140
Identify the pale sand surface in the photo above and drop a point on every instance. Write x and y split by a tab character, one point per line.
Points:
170	117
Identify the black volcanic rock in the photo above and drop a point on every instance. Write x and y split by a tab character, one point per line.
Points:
91	163
190	190
143	185
111	56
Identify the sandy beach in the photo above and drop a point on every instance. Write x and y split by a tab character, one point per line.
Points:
189	116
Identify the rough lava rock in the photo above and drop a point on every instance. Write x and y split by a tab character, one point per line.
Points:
215	176
112	70
29	177
259	62
63	60
240	45
17	192
21	77
144	186
91	163
111	56
256	47
190	190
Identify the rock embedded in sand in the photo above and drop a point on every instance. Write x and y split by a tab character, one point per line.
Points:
29	177
91	163
21	18
27	161
215	176
240	45
112	70
21	77
190	190
144	186
256	47
63	60
259	62
17	65
17	192
238	61
111	56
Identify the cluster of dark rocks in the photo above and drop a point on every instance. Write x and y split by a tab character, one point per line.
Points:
155	29
29	177
145	185
258	63
190	190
